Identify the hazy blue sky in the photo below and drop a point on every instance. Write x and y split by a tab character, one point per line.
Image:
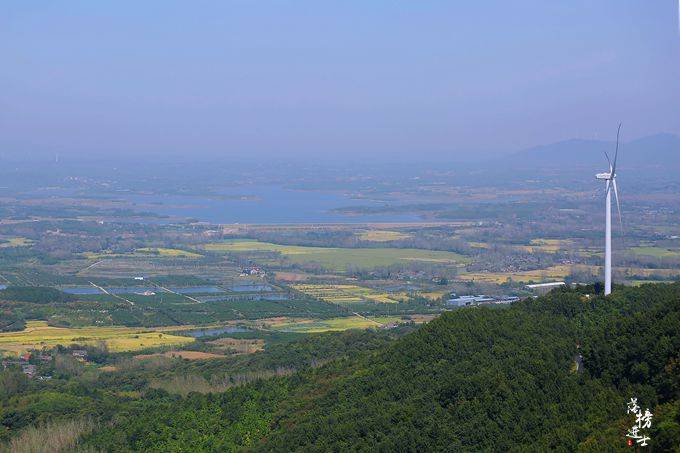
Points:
382	78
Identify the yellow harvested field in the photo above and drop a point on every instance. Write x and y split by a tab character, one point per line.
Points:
541	275
38	335
383	236
189	355
545	245
347	294
16	242
144	251
433	295
168	252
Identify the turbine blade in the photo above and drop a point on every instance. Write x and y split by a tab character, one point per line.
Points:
618	204
616	154
608	160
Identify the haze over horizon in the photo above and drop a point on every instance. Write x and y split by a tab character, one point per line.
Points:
382	80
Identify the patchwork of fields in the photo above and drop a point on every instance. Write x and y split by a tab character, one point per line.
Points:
534	246
340	259
541	275
560	272
347	294
38	335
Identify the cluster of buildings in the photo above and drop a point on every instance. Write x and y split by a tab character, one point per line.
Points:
480	299
24	362
252	271
27	362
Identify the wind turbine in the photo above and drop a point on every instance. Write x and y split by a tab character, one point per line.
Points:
610	181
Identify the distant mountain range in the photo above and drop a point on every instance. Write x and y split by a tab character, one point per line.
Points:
654	151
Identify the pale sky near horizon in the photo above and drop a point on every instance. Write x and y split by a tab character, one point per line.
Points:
308	78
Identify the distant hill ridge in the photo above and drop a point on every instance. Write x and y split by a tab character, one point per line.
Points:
658	150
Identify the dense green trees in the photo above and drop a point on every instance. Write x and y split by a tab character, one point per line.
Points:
36	294
474	379
483	379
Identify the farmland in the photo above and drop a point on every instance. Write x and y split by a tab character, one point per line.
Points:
657	252
38	335
344	294
560	272
548	274
15	242
534	245
333	324
161	252
167	252
341	259
383	236
545	245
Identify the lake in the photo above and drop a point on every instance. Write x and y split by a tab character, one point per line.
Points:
262	204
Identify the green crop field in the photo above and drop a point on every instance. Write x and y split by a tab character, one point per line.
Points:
657	252
344	294
333	324
340	259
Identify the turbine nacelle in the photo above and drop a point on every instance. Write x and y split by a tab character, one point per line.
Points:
606	176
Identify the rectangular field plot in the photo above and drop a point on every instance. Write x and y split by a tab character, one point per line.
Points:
38	335
348	294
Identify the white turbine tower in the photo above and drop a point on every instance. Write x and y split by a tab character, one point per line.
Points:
610	181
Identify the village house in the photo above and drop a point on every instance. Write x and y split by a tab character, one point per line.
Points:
79	354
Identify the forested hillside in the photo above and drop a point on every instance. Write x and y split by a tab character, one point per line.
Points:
482	379
475	379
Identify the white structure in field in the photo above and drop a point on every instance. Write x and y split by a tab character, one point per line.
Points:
610	181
